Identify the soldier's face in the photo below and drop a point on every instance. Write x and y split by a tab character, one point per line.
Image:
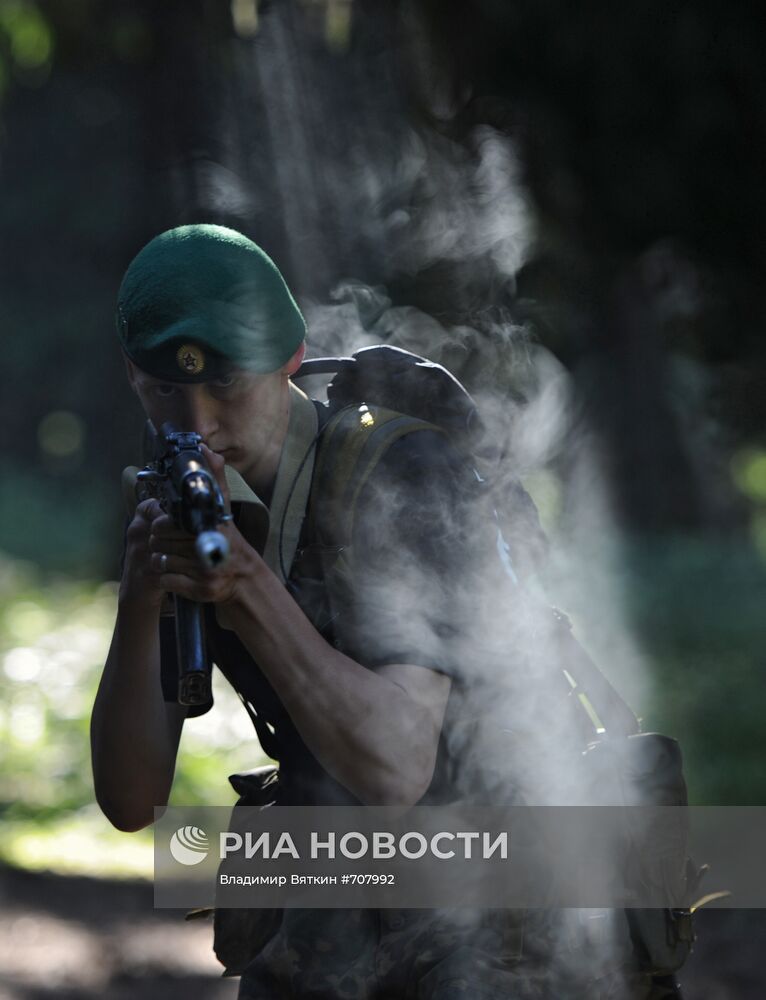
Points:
239	416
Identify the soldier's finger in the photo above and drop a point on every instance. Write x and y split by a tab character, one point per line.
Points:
164	527
176	546
184	586
149	509
165	564
217	465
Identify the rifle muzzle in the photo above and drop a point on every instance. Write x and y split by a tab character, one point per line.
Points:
212	548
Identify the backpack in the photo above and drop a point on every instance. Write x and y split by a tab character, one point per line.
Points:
377	396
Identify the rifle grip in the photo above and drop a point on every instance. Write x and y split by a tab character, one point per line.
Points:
194	668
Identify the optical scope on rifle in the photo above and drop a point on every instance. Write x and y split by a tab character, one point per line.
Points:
180	479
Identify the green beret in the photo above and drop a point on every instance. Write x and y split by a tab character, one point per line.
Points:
199	300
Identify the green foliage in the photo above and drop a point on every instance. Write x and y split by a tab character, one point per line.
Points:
749	473
26	43
697	610
54	637
55	529
694	609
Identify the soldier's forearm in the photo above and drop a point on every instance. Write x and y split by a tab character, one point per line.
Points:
134	734
364	729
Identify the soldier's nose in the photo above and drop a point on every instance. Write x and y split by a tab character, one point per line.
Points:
202	417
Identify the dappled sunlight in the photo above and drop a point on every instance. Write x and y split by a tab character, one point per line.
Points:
54	637
93	938
79	843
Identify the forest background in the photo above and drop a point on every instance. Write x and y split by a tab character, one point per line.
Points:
564	205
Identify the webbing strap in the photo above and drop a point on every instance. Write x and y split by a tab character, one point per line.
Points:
343	464
322	461
353	444
293	481
377	444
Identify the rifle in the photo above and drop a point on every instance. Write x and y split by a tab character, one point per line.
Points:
179	478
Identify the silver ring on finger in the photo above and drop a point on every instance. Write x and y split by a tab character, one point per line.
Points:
163	563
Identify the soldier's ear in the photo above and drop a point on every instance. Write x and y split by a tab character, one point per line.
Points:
292	366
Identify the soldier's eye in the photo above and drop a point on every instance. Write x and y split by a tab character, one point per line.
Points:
224	385
164	389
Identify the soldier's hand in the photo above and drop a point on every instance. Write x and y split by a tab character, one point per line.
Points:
178	567
140	583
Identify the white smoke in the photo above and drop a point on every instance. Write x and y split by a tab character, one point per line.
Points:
527	400
470	204
459	213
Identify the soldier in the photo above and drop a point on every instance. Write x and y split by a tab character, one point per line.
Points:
368	675
356	706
